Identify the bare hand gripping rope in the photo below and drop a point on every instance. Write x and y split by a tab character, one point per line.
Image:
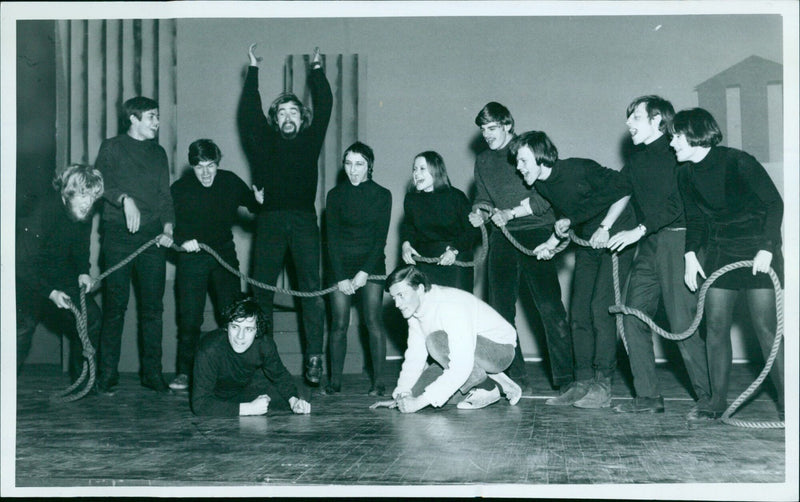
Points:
618	310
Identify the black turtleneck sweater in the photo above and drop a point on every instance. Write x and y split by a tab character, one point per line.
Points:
582	190
652	171
53	249
437	219
731	192
358	222
220	374
207	214
285	168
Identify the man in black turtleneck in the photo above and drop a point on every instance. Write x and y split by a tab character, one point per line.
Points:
283	148
657	271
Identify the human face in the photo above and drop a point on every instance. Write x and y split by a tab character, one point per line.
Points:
683	150
423	179
643	129
496	135
356	167
527	166
80	205
406	298
289	119
146	127
241	333
206	171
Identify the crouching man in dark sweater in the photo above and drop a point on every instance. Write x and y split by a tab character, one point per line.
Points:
594	200
52	244
226	378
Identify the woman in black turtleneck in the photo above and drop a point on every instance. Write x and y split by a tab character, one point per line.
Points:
733	213
357	215
436	224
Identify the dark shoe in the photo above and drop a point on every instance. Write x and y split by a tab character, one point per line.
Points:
599	395
180	382
642	405
105	386
377	390
314	369
155	382
330	390
699	414
571	393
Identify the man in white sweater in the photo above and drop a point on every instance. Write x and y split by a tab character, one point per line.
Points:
468	340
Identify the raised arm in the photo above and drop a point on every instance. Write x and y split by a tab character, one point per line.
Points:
322	99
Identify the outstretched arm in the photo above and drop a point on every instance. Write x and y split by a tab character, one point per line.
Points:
321	97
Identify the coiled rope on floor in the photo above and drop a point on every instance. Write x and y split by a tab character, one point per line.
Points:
81	322
776	344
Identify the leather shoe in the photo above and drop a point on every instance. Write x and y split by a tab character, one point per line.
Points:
155	382
105	386
569	395
314	369
377	390
697	414
330	390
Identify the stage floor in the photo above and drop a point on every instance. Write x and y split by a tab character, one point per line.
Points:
140	438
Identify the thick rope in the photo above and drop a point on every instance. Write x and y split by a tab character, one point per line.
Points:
89	368
65	396
479	256
617	309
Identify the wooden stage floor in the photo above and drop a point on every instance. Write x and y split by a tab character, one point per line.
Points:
139	438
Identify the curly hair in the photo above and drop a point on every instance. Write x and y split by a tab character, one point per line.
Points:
306	114
79	179
244	309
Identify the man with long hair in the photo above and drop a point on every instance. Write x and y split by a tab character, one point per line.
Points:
283	147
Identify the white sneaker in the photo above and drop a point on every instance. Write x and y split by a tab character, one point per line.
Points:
180	382
479	398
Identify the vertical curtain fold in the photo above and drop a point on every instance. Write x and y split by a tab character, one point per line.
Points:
102	63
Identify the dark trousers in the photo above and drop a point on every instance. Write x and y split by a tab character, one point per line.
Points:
506	267
490	358
298	231
657	274
719	317
147	271
61	321
452	275
594	331
196	274
371	296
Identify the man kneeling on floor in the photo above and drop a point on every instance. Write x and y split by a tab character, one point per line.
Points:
226	377
467	339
